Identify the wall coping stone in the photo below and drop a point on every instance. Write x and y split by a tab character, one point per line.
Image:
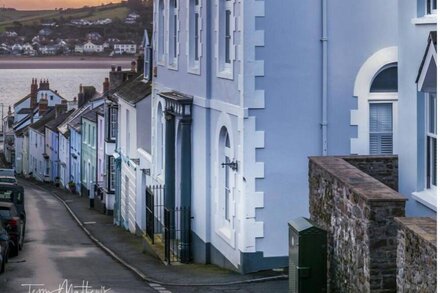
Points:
369	188
423	227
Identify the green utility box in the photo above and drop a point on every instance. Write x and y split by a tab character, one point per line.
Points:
307	257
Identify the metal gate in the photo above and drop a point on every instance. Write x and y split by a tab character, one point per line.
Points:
170	227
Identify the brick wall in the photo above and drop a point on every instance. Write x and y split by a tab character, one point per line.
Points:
417	255
358	212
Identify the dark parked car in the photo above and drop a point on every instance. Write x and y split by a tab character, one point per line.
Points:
4	247
14	224
8	179
10	192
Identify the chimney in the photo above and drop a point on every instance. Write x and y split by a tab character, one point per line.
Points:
9	111
106	86
140	64
119	68
133	66
60	108
34	93
113	68
42	106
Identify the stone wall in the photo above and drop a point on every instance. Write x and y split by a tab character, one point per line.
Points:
417	255
382	168
358	212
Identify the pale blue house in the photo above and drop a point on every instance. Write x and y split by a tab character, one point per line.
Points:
417	122
245	91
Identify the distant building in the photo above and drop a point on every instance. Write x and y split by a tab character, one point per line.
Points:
90	47
124	48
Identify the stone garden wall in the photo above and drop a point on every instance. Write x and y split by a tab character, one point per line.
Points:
417	255
358	212
382	168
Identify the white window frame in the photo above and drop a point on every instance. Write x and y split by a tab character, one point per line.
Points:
430	136
194	34
429	4
173	34
113	123
225	69
428	196
385	98
393	131
112	173
225	211
161	36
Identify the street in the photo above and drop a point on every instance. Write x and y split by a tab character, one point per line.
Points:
57	254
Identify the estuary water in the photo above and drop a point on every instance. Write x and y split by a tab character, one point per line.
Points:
65	76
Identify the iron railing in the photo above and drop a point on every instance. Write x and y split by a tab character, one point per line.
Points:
170	227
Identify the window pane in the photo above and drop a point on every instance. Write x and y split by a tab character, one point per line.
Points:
228	36
434	161
381	128
432	113
381	117
385	81
196	37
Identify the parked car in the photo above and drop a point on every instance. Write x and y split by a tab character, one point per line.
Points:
14	225
7	172
8	179
10	192
4	247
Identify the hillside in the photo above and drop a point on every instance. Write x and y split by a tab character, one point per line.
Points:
13	18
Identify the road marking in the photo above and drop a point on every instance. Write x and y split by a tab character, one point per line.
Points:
89	223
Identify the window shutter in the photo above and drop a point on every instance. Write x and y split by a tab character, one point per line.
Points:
381	128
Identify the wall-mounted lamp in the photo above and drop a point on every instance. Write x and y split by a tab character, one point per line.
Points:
233	165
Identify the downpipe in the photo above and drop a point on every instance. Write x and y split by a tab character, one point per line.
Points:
324	43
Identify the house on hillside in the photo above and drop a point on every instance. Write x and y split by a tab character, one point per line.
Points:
124	48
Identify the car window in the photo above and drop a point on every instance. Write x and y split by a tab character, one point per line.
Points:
5	212
19	197
6	195
8	180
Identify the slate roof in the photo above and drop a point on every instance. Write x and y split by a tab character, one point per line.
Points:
22	100
431	38
41	123
135	90
53	124
63	127
91	114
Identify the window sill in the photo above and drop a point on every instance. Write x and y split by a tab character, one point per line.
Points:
225	74
427	19
427	197
227	234
194	70
173	66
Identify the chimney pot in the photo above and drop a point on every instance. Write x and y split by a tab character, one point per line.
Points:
119	68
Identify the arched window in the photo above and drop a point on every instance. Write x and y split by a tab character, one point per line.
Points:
382	110
226	173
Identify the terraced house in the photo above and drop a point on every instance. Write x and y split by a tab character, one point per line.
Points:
245	91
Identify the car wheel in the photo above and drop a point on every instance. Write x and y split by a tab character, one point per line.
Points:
2	268
14	250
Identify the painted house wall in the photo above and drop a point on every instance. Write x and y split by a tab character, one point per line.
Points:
100	150
26	154
18	145
412	44
64	154
277	69
52	152
75	157
128	141
37	164
88	156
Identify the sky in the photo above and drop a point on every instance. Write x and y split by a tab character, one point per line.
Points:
51	4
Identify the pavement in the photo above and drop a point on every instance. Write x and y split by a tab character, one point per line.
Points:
133	254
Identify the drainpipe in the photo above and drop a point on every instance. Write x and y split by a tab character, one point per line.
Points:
324	42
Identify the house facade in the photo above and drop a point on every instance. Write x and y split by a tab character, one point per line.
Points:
125	48
134	133
224	70
417	134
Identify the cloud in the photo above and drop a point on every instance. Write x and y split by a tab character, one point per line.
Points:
51	4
